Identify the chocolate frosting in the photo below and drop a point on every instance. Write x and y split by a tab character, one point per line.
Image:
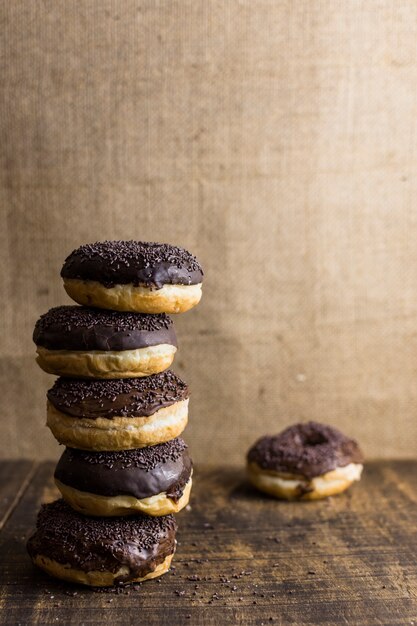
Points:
140	473
135	262
102	543
129	397
307	450
83	328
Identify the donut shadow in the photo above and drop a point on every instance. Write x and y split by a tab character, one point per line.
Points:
246	491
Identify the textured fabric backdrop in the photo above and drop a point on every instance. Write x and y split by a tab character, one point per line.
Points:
277	141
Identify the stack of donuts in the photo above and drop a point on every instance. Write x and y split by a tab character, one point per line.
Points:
119	411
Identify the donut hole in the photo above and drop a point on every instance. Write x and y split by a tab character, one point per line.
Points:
314	439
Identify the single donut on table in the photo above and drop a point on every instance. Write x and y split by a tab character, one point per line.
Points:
155	480
133	276
101	551
94	343
304	462
120	414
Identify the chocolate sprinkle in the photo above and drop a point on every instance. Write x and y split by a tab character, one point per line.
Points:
143	472
84	328
146	458
72	316
129	397
102	543
137	262
59	519
310	449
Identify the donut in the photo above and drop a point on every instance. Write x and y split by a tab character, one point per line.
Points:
119	414
93	343
100	551
135	276
306	461
155	480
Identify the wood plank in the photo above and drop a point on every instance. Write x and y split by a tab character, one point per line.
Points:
14	478
247	559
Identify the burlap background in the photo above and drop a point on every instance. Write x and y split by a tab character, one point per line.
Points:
275	139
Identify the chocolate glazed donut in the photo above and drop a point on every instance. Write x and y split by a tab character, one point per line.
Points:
84	342
306	461
118	414
101	551
155	480
135	276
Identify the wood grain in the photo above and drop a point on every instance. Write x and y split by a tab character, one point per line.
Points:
243	558
13	482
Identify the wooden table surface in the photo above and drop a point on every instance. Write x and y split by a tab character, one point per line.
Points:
242	558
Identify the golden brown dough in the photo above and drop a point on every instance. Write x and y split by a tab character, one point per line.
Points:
94	578
107	364
111	506
118	433
292	487
167	299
